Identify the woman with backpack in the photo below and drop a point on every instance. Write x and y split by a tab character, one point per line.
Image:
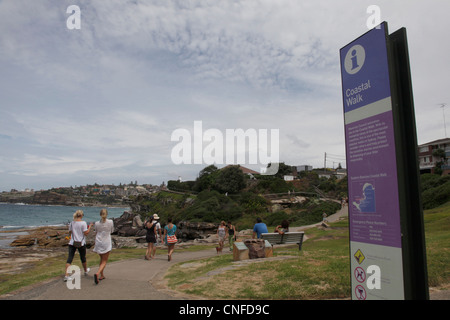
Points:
78	230
170	237
150	226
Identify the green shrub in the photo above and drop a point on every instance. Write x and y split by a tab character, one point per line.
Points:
211	206
434	197
274	219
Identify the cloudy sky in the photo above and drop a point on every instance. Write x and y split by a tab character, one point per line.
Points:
100	103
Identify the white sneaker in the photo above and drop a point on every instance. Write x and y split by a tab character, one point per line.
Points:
67	278
87	271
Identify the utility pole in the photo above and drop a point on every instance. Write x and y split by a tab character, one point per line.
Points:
325	163
443	105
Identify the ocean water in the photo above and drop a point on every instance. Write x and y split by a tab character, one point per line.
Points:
16	216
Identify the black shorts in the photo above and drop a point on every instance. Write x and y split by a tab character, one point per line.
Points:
150	239
81	250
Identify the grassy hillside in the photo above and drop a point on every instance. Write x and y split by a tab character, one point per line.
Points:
319	271
206	200
242	209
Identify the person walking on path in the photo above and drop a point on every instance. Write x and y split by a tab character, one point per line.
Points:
158	234
78	231
221	234
231	235
150	226
170	238
103	244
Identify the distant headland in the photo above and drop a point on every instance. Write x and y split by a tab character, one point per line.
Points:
83	196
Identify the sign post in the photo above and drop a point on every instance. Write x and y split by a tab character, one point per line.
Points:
386	226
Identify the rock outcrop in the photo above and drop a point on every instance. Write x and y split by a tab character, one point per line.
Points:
129	225
256	248
196	230
51	237
47	198
128	232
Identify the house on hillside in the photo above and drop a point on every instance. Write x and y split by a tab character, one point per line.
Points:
304	168
337	173
245	170
427	161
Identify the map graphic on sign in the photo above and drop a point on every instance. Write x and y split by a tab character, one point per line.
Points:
366	201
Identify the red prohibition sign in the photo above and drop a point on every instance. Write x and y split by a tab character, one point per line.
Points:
360	274
360	293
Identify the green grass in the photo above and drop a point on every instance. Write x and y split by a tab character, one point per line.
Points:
40	271
319	271
191	270
437	240
274	280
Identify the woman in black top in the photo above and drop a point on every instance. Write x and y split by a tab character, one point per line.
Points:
231	235
150	237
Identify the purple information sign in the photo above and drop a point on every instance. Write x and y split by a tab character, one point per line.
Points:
371	160
372	174
374	212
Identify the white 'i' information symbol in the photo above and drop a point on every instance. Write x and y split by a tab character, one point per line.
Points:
354	59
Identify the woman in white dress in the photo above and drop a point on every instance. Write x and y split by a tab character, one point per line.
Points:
222	233
103	245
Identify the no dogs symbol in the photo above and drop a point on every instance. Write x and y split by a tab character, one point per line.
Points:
360	293
360	275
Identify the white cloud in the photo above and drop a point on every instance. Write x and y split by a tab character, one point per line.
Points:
103	101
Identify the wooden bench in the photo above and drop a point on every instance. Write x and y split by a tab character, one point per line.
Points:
286	238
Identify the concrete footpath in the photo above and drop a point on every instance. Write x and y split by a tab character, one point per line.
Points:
343	212
134	279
